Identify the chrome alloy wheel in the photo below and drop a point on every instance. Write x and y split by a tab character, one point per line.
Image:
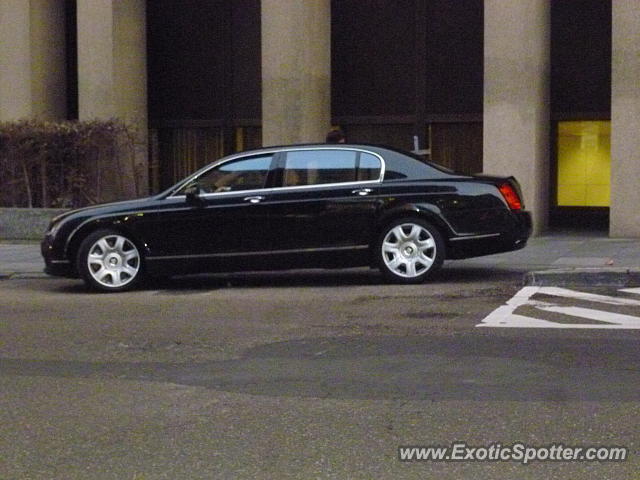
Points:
113	261
409	250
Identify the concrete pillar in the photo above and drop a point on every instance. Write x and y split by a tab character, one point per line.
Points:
32	59
296	71
112	70
625	120
516	98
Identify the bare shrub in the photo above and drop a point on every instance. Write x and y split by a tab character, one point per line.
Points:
66	164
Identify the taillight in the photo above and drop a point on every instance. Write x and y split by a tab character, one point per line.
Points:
511	196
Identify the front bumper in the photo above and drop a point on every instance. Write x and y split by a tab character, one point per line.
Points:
54	265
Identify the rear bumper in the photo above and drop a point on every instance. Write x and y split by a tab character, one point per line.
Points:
515	238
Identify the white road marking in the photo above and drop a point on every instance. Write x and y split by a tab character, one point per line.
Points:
591	297
504	317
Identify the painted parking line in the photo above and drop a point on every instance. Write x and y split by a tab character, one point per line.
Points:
505	316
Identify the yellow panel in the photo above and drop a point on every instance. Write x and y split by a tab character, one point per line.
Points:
572	195
598	171
584	163
570	167
598	195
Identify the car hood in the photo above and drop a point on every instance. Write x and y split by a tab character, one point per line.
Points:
103	209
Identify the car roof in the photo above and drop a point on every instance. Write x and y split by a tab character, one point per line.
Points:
399	164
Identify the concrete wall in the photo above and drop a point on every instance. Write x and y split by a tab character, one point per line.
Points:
25	223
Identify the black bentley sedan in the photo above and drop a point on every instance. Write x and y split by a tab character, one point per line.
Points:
326	206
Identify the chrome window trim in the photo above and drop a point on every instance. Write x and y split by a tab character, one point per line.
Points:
274	151
279	189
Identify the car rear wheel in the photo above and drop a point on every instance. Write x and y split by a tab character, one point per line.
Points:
109	261
410	250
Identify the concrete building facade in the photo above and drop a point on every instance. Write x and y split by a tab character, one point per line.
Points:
494	86
32	59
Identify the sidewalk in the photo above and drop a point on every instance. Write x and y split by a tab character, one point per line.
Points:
556	258
570	259
20	259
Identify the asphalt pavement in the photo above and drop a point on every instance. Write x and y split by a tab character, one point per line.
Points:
558	258
300	376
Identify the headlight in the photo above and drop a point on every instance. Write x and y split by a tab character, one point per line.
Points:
55	224
54	227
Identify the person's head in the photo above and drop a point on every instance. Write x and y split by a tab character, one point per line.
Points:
336	136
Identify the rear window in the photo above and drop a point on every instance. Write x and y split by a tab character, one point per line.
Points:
369	167
400	166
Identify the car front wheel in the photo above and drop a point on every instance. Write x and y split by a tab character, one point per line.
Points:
409	250
109	261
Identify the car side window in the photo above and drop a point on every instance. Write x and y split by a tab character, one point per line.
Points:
317	167
368	167
244	174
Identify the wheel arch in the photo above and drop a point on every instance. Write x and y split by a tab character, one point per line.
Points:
428	213
408	266
88	227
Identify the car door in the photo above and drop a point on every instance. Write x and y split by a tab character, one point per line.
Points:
223	220
327	200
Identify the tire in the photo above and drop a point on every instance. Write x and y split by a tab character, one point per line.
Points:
409	250
109	261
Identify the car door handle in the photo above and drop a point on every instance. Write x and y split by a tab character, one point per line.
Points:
254	199
362	191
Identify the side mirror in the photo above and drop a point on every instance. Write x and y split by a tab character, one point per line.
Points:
192	193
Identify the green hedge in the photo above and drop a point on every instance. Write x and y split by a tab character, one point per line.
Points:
66	164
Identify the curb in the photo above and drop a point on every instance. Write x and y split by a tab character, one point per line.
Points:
596	277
